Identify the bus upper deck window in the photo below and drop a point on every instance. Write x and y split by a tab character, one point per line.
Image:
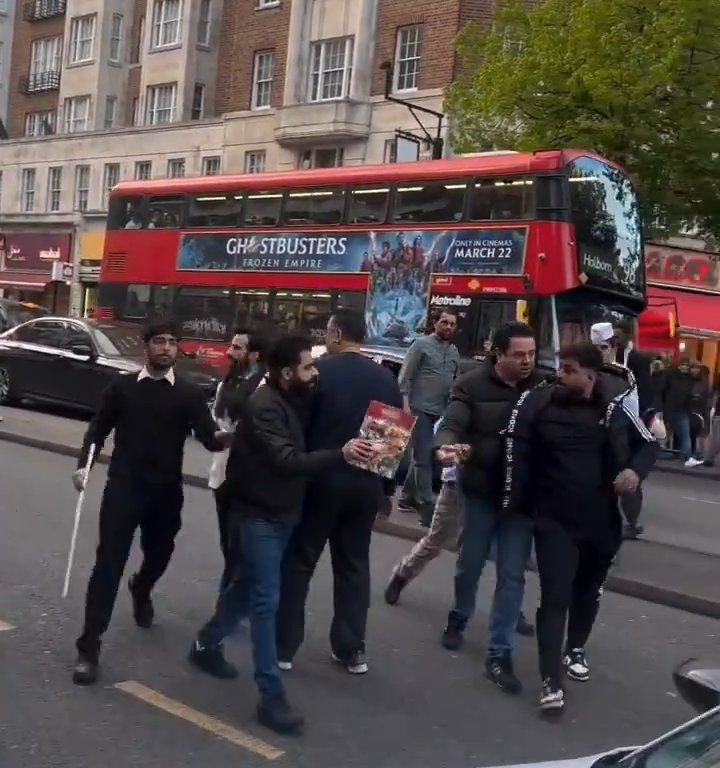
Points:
214	211
434	201
314	206
125	212
368	205
165	212
262	209
504	199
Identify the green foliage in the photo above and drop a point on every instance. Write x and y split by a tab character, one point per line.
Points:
635	80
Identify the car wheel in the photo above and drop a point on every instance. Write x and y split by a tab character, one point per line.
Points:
7	395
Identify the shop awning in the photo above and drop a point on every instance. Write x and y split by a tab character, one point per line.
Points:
27	280
698	314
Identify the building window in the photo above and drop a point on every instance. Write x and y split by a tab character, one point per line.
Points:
116	34
110	109
167	23
331	69
176	168
255	162
138	43
45	55
111	177
161	103
77	114
268	3
407	58
321	158
203	32
263	73
54	189
40	123
211	165
82	37
143	170
198	103
82	187
390	153
27	190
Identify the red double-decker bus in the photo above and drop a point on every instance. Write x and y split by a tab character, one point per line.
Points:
553	236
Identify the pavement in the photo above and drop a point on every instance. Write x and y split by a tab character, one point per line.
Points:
419	706
676	564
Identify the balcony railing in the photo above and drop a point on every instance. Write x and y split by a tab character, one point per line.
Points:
39	82
37	10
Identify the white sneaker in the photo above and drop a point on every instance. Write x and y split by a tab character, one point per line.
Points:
576	665
552	696
355	665
693	462
285	666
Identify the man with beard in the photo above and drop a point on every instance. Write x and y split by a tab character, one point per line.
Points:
571	450
247	370
341	507
271	450
471	436
152	414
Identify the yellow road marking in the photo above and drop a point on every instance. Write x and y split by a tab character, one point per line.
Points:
206	722
5	627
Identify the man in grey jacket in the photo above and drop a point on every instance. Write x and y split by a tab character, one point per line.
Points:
426	379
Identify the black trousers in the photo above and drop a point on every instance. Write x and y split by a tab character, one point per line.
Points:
631	505
230	550
344	516
572	573
129	504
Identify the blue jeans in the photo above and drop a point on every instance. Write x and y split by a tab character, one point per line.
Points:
484	525
256	592
680	425
417	489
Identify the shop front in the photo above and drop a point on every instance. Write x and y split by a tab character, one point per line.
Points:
685	285
90	250
28	271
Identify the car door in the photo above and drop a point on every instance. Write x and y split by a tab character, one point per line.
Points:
36	346
81	380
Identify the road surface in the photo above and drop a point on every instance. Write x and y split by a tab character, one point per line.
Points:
420	706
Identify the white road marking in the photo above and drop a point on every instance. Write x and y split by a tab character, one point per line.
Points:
206	722
5	627
701	501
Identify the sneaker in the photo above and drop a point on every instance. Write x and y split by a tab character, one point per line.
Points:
576	665
143	610
500	672
277	715
356	664
212	661
285	666
632	532
452	636
524	627
552	697
394	588
708	463
692	462
86	670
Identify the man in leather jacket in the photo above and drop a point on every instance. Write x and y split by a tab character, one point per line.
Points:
571	449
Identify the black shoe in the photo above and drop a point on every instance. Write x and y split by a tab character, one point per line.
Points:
86	670
355	664
500	672
212	661
524	627
277	715
143	610
452	636
394	588
632	532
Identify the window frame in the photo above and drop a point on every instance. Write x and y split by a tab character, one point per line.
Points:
77	42
353	190
28	191
319	71
50	58
259	85
38	118
448	183
54	193
116	38
235	217
310	192
152	109
70	116
108	182
416	59
255	153
142	164
206	161
161	22
198	113
204	22
178	160
110	100
529	183
81	195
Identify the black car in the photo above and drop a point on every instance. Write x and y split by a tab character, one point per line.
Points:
13	313
70	362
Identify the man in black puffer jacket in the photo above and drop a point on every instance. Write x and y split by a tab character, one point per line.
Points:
472	433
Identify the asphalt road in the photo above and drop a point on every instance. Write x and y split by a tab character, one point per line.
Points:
419	706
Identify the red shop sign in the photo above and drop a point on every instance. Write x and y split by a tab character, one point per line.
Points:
35	252
680	267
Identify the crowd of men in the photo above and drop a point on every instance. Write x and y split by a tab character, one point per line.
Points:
524	460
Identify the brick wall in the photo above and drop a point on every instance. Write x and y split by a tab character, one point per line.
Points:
246	30
440	24
19	103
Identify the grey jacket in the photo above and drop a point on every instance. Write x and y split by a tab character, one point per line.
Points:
428	374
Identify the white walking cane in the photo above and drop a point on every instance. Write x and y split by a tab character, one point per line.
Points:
76	525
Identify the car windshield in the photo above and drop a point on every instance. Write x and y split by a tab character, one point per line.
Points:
697	745
118	341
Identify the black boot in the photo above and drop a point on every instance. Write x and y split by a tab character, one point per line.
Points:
452	637
524	627
277	715
143	610
212	661
394	588
86	670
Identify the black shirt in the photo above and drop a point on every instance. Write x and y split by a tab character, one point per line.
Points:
152	419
